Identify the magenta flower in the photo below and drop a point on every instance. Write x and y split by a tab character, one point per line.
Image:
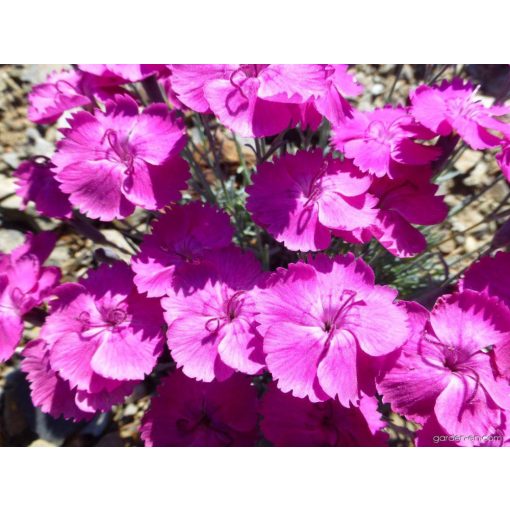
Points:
409	197
180	241
191	413
101	329
452	107
36	182
290	421
24	284
211	333
446	370
375	140
112	161
322	322
250	99
299	198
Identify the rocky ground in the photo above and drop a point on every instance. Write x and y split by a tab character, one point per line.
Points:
476	193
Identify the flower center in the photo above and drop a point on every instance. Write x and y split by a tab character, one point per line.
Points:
342	316
466	107
120	149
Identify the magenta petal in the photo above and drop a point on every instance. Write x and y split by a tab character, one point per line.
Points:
95	189
337	372
462	409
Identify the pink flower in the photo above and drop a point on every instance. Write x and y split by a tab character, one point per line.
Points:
452	107
24	284
211	333
409	197
299	198
446	370
377	139
323	323
36	182
112	161
250	99
123	72
290	421
101	331
191	413
180	241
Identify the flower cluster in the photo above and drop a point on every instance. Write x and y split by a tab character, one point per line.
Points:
307	349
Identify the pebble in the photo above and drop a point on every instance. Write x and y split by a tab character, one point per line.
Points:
377	89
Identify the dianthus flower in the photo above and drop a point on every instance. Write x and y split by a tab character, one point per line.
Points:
101	331
376	140
322	322
36	182
252	100
211	333
24	284
191	413
109	162
181	240
55	396
299	198
409	197
452	107
447	369
291	421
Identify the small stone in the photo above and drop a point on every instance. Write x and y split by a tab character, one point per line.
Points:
377	89
38	443
130	410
